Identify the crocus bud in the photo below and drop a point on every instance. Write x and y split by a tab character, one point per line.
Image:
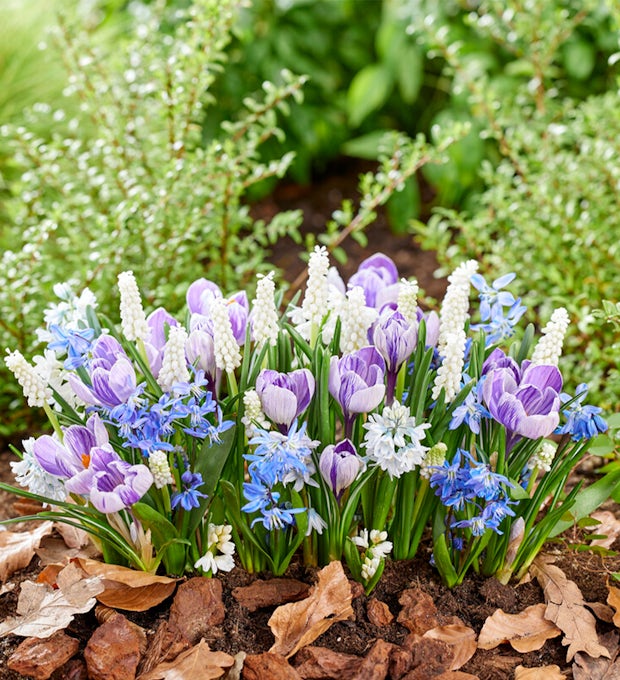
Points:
395	339
339	465
284	396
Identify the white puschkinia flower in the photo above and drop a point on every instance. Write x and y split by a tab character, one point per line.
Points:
356	319
253	413
70	312
376	547
52	371
393	440
174	365
450	373
315	522
29	474
543	458
227	353
160	469
264	313
133	319
434	457
549	347
407	301
454	308
315	302
33	386
219	540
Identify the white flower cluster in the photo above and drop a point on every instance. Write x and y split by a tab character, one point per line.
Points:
219	540
549	348
133	319
52	371
174	365
315	305
543	458
452	339
407	301
35	390
264	314
449	374
454	308
434	457
29	474
393	440
253	413
160	469
356	319
376	547
227	353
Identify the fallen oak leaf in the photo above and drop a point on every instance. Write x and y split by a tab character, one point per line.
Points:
18	548
526	631
43	610
609	527
460	637
586	668
539	673
566	608
297	624
125	588
613	599
197	663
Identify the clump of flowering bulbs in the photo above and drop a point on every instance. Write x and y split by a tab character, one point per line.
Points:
354	425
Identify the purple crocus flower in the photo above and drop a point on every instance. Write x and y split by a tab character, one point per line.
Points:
378	277
526	399
200	296
72	456
356	383
158	322
110	483
395	339
200	353
339	465
112	376
284	396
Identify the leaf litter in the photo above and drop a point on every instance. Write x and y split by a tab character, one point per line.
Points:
421	629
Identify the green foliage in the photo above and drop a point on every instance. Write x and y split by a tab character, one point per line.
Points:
547	209
130	185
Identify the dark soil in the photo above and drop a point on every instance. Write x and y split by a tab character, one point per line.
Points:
472	602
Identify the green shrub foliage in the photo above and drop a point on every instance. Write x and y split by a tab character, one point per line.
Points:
549	206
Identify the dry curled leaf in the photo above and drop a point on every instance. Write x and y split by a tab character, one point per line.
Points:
525	631
18	548
297	624
566	608
609	527
460	637
43	610
613	599
197	663
128	589
540	673
586	668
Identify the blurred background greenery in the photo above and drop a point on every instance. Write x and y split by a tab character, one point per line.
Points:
533	187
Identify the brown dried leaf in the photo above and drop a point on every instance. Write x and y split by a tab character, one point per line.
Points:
609	527
525	632
460	637
613	599
72	536
566	608
297	624
197	663
17	548
128	589
539	673
586	668
42	610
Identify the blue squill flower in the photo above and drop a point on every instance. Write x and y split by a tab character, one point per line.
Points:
189	497
582	420
493	297
74	343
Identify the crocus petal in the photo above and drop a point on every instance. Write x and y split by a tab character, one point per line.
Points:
279	404
54	458
367	399
199	294
157	322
